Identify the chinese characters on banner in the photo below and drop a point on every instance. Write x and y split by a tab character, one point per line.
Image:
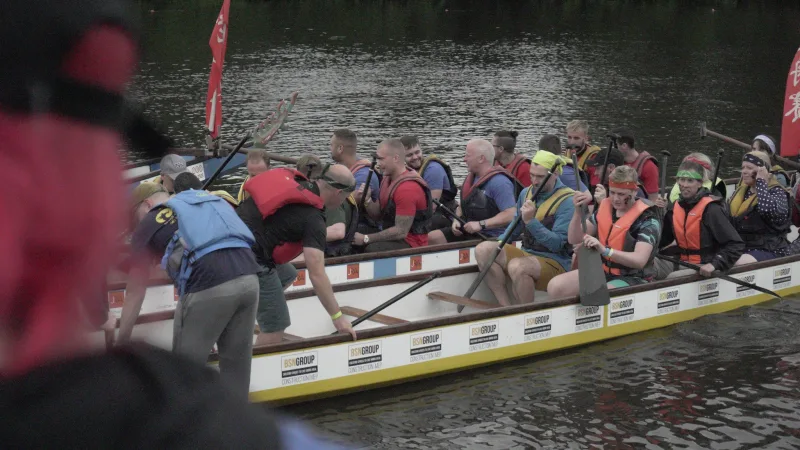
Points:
790	131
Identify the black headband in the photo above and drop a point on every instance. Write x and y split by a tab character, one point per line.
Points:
753	159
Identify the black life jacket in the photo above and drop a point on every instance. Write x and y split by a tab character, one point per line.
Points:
448	197
475	205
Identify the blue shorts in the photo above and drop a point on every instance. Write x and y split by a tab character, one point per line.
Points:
761	255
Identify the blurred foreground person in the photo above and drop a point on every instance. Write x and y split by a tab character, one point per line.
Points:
71	61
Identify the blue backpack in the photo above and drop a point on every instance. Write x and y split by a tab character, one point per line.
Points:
205	223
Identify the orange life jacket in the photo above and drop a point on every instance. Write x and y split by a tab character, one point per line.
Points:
617	235
687	229
275	189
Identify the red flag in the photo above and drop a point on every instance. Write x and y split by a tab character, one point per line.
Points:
218	43
790	131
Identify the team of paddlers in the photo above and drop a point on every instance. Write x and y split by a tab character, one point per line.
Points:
405	199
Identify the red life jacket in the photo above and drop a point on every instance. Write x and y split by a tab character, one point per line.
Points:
617	235
275	189
687	229
640	160
421	223
360	164
469	181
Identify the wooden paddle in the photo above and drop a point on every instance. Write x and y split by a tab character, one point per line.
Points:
449	212
363	205
706	132
720	275
593	289
664	161
393	300
720	153
397	297
611	144
474	286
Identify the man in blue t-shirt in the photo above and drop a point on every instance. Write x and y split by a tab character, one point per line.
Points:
343	150
437	175
487	198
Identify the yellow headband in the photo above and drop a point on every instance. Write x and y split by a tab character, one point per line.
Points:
546	159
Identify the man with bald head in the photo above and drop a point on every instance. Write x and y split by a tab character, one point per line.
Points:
404	206
286	213
487	197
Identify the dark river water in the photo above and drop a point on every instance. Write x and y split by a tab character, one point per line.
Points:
451	71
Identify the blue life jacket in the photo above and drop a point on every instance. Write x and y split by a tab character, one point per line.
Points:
205	223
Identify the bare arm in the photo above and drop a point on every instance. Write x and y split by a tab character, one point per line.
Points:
402	225
436	194
636	259
575	231
504	218
335	232
134	297
652	197
374	210
315	264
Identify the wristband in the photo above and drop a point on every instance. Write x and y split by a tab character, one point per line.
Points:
336	316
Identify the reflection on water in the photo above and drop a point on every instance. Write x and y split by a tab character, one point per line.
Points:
728	381
449	71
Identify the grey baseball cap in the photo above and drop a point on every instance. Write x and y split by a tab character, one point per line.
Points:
172	165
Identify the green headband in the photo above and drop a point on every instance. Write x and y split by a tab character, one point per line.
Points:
689	174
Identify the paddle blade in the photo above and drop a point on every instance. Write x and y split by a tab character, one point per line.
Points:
592	278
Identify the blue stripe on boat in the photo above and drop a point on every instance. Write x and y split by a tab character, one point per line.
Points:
384	268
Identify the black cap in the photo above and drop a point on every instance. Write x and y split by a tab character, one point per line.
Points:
615	157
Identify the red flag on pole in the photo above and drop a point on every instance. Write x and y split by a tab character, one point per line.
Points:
218	43
790	131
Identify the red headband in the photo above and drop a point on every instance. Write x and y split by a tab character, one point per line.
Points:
705	165
626	185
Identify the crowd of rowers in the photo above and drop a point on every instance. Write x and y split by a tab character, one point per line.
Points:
406	199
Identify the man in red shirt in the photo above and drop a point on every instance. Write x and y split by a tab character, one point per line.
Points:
516	164
404	206
643	162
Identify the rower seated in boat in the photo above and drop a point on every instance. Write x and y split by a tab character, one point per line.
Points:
404	208
344	146
487	198
759	210
437	174
257	163
285	214
516	164
615	159
578	142
545	250
552	144
697	228
705	163
765	143
341	222
171	166
641	161
624	229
